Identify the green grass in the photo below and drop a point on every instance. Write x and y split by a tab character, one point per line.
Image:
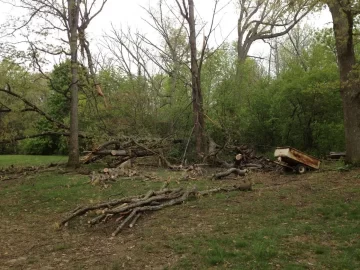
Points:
271	234
27	160
49	192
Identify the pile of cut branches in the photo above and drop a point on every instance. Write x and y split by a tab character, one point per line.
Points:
126	148
126	211
126	171
111	175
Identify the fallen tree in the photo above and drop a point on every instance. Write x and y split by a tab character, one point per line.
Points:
126	211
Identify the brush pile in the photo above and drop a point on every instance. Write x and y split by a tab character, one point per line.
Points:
125	212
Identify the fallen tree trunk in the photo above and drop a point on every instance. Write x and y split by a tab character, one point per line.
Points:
235	171
132	153
127	211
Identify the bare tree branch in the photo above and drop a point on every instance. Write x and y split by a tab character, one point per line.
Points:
260	20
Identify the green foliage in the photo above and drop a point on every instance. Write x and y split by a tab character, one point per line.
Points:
30	86
59	99
300	107
38	146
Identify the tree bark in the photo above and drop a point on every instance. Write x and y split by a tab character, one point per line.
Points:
197	99
74	13
343	24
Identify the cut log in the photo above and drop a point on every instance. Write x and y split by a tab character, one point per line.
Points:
132	153
90	156
235	171
252	166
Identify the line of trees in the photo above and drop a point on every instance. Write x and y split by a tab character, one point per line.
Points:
305	93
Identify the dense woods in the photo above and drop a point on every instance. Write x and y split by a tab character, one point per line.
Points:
177	84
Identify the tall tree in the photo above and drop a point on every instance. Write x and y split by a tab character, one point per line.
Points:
67	21
188	13
73	17
198	112
344	14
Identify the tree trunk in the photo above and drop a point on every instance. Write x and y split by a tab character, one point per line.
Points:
197	101
343	20
74	11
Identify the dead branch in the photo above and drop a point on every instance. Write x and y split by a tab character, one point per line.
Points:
260	20
33	107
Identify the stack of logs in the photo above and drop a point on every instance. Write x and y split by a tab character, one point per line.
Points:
246	159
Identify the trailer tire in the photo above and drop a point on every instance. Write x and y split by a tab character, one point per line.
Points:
300	169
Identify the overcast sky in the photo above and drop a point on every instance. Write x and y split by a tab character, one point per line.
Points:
129	13
124	13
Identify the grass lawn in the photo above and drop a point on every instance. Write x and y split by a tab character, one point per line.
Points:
286	222
23	160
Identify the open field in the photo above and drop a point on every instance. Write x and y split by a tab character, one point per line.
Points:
286	222
22	160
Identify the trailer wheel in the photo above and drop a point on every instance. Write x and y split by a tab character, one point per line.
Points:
300	169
